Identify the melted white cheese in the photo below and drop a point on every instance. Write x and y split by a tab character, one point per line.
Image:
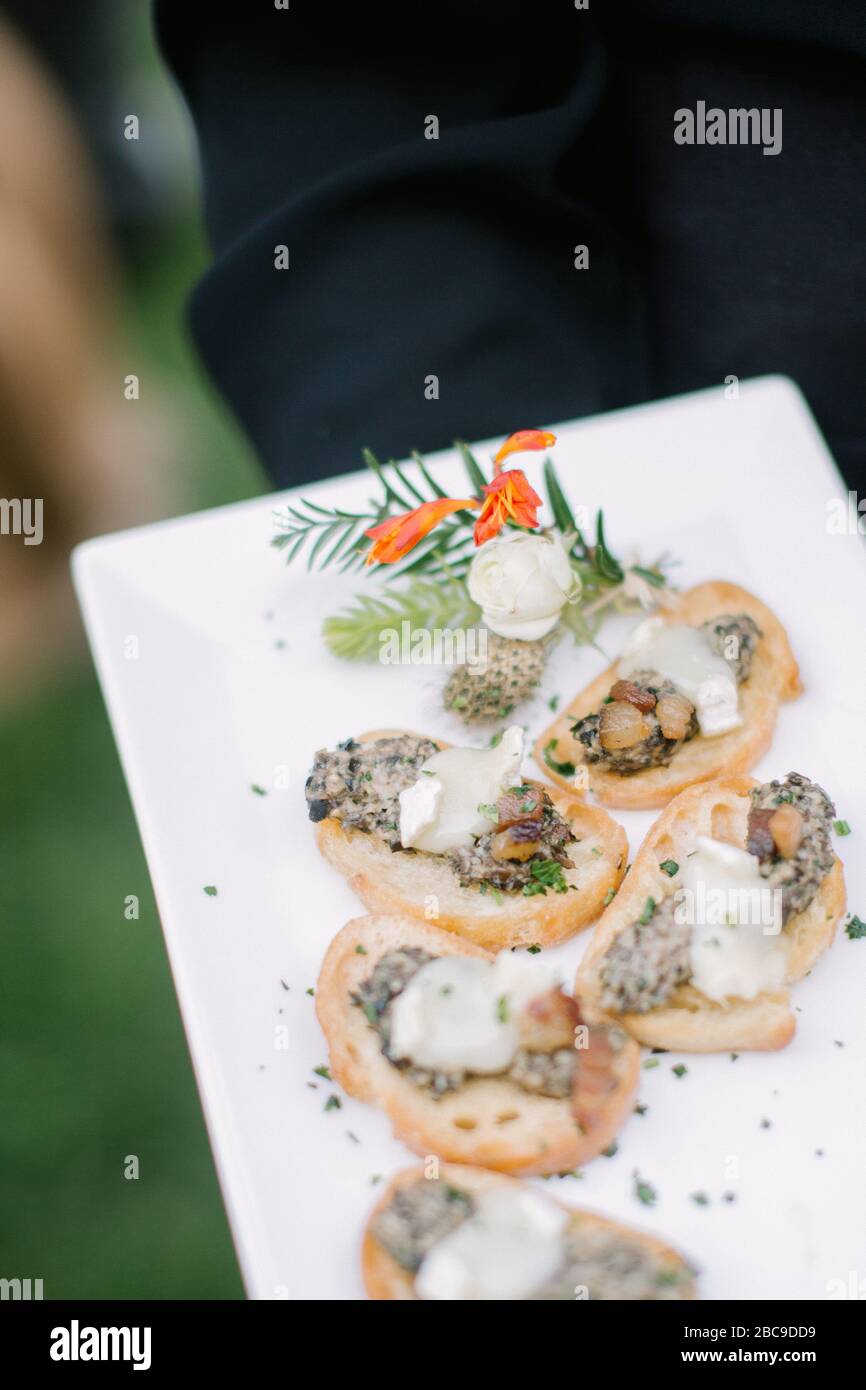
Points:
440	811
458	1013
686	657
737	949
507	1249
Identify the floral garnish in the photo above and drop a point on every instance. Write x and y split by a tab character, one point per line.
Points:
398	535
508	498
421	535
521	442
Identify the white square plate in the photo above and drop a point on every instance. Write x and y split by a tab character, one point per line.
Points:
216	678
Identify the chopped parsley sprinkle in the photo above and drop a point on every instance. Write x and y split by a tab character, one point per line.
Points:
650	1063
841	827
553	703
376	1177
669	867
644	1191
259	791
854	928
611	1150
360	950
679	1070
641	1109
323	1072
333	1103
735	1056
502	1008
545	874
533	950
564	769
485	887
609	896
488	809
700	1199
210	890
311	991
784	797
649	908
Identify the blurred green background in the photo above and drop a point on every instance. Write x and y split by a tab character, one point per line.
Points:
95	1065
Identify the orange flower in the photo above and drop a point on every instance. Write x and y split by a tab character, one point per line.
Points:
508	497
395	537
522	441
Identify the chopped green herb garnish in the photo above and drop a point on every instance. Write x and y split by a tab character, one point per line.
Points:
649	908
679	1070
641	1109
735	1056
700	1199
310	991
841	827
545	874
564	769
609	896
669	867
259	791
765	1123
533	950
360	950
611	1150
644	1192
502	1008
210	890
650	1063
488	809
553	703
854	928
323	1072
333	1103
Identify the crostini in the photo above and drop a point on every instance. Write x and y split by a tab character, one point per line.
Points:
469	1234
734	894
456	836
475	1058
695	693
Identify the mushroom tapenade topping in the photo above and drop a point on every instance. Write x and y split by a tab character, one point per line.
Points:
417	1217
544	1064
529	832
789	832
603	1262
645	720
360	784
646	961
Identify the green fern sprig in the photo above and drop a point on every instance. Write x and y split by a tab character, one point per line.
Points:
355	633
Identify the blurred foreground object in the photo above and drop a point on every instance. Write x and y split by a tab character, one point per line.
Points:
67	434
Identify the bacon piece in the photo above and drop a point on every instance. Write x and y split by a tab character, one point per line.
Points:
786	828
644	700
674	713
548	1022
620	725
595	1079
759	837
519	807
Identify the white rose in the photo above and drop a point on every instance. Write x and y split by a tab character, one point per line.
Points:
521	583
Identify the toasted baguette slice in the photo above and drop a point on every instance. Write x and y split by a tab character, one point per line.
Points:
691	1022
425	886
386	1280
490	1121
774	677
